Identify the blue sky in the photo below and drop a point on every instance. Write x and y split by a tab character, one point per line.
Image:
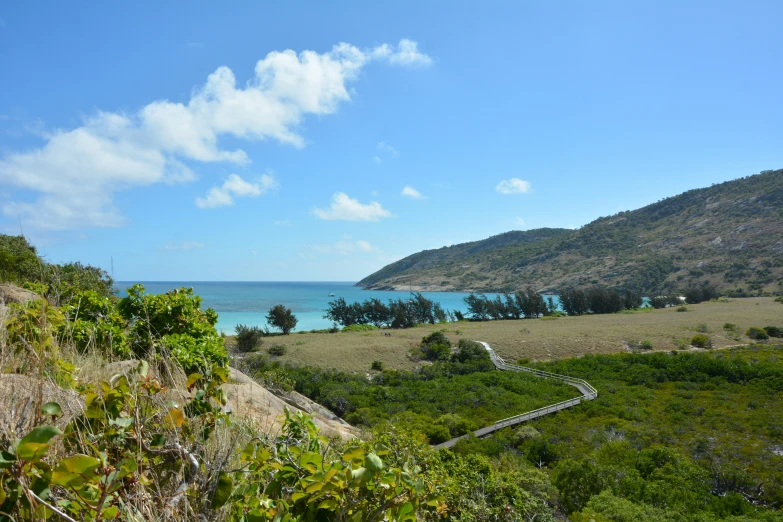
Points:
321	141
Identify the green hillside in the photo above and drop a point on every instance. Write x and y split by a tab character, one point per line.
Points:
730	234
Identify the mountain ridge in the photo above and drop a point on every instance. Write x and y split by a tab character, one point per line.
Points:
729	234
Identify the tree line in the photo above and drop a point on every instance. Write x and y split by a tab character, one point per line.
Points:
397	313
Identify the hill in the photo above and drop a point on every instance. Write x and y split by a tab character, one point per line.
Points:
730	234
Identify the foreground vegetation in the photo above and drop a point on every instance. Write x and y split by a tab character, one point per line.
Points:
672	436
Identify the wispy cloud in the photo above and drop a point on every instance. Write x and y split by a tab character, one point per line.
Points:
405	53
76	172
183	245
346	208
377	159
520	222
282	223
388	148
235	186
410	192
513	186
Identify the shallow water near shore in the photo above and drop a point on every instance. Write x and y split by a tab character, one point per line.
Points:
248	302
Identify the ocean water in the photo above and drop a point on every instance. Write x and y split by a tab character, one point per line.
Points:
248	302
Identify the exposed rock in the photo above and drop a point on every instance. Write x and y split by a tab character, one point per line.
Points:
14	294
251	401
22	397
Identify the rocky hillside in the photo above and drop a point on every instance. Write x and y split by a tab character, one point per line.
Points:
730	234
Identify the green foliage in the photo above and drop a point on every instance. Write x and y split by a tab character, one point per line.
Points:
470	351
277	350
248	338
730	327
377	366
95	321
436	346
309	484
397	314
472	390
282	318
756	333
682	308
701	341
702	328
129	448
173	321
20	264
32	330
774	331
699	294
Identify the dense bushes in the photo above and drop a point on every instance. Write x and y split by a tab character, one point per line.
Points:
701	341
526	303
756	333
396	314
698	294
20	264
248	338
175	322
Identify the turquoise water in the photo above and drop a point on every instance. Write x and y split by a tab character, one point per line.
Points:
248	302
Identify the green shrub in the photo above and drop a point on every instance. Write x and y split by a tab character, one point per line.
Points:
523	434
277	349
730	327
469	351
436	346
779	299
359	328
646	344
756	333
774	331
702	328
174	319
682	308
701	341
377	366
248	338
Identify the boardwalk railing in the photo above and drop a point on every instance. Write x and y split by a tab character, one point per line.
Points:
586	390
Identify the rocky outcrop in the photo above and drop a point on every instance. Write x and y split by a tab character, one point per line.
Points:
14	294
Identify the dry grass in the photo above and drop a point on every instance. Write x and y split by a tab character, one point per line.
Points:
536	339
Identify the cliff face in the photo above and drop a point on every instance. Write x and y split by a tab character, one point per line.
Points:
730	234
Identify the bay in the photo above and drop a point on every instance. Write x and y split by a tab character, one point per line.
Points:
248	302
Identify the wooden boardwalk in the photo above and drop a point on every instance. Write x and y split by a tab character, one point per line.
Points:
587	393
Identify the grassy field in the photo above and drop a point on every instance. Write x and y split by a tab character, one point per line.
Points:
538	339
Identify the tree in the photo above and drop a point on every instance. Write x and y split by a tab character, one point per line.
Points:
283	318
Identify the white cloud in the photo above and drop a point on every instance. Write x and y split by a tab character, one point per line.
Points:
76	172
388	148
513	186
411	192
282	223
235	186
345	247
377	159
183	245
519	221
346	208
406	53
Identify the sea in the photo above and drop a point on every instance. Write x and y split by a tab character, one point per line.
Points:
247	303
